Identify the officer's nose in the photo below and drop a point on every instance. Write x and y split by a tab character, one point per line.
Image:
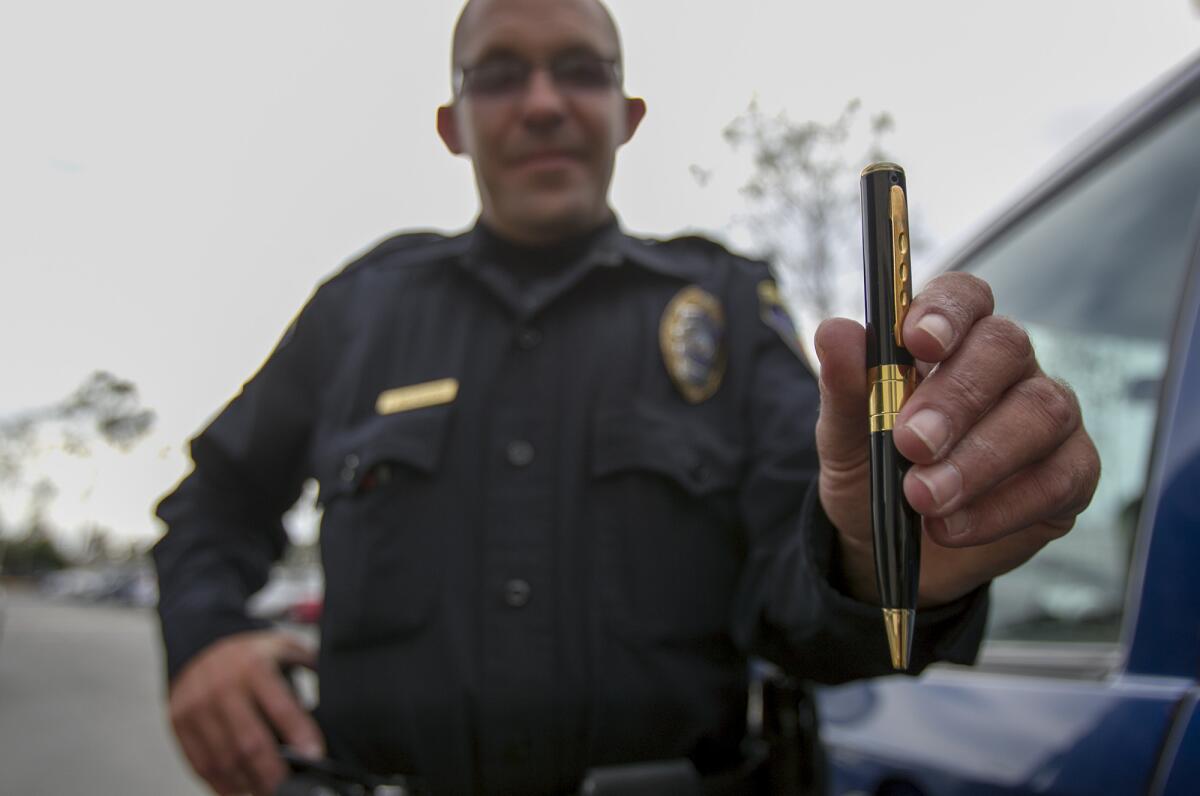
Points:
543	104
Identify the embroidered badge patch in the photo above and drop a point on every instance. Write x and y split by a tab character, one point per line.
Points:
775	314
692	336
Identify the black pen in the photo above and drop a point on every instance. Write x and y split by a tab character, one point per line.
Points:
891	376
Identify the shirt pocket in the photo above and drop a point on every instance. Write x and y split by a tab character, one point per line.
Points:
669	546
381	540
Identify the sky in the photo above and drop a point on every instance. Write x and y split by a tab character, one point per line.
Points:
176	178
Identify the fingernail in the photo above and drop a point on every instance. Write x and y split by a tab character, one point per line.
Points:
956	524
312	751
931	427
937	327
943	481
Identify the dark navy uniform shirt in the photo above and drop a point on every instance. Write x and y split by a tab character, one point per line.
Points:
566	494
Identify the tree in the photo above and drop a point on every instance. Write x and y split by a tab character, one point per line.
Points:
103	409
804	205
33	551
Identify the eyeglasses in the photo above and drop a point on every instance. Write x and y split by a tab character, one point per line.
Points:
507	77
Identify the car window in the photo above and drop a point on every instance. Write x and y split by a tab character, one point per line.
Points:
1095	276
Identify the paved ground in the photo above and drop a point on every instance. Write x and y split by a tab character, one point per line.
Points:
81	703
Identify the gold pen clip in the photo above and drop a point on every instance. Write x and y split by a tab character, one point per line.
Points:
901	267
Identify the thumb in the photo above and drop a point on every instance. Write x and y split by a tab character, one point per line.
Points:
842	443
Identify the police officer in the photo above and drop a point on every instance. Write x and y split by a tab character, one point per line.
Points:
573	479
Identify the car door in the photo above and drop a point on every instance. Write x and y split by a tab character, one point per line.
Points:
1087	680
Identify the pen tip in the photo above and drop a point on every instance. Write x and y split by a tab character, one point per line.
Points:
899	624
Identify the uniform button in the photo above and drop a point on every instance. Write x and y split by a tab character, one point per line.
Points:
519	452
516	593
350	468
529	339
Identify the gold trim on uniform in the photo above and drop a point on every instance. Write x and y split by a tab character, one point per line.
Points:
891	386
692	337
417	396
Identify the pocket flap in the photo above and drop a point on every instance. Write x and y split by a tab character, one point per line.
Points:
412	439
641	437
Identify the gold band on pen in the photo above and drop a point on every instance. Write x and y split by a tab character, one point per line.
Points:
891	385
882	165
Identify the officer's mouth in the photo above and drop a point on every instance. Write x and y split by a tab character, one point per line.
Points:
550	159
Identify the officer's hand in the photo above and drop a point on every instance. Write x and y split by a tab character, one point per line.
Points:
1002	463
229	703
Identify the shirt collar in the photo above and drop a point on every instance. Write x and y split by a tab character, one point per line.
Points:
606	247
610	247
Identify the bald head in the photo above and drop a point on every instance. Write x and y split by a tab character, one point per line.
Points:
476	12
543	135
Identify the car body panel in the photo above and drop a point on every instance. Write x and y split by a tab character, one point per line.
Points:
1180	764
1166	592
958	736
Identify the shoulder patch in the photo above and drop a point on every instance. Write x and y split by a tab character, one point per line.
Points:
775	315
692	336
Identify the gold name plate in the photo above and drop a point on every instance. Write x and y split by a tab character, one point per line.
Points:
417	396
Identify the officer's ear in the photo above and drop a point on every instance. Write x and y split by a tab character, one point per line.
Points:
635	111
447	127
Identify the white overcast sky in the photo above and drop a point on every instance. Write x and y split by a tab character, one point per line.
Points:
176	177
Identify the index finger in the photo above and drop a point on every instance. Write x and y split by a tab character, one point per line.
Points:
943	313
295	726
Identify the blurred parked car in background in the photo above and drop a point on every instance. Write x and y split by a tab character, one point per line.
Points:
1087	682
125	584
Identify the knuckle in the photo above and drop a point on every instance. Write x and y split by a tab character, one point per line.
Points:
249	746
1066	491
1086	476
1047	398
1060	404
1094	466
979	452
1005	516
964	393
1057	490
1006	338
975	289
981	290
1057	529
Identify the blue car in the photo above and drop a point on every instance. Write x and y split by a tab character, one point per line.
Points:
1087	681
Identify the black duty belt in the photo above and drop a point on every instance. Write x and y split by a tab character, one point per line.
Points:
679	778
653	778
